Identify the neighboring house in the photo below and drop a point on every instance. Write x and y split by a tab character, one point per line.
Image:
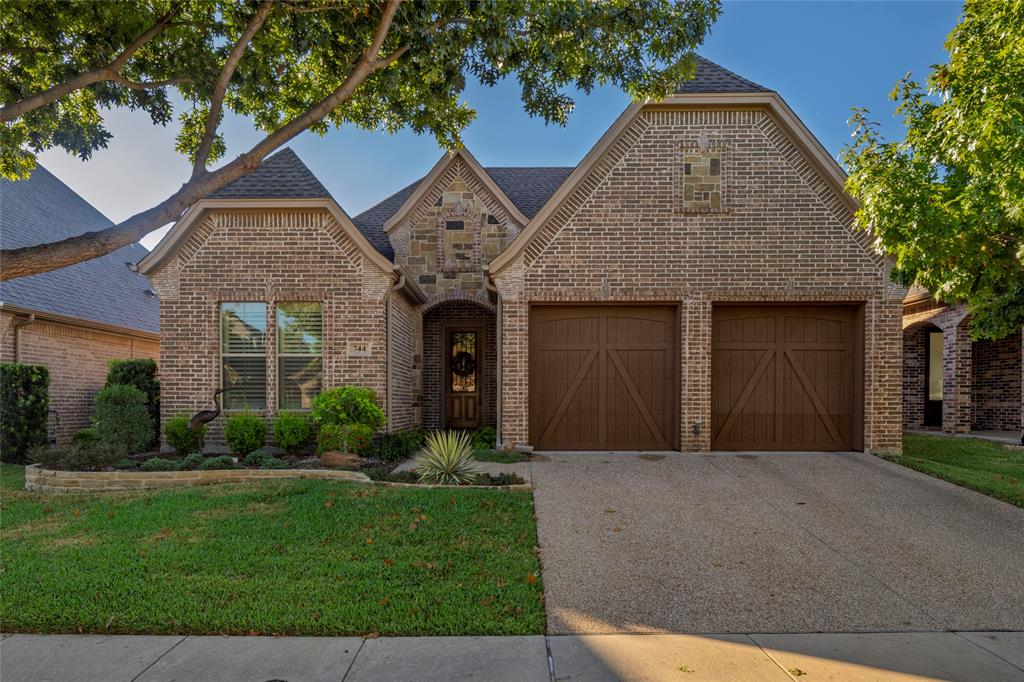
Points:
76	319
695	283
955	384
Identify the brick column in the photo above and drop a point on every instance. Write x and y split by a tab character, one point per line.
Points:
956	378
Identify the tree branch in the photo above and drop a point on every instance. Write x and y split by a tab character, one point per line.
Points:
150	85
107	73
31	260
221	86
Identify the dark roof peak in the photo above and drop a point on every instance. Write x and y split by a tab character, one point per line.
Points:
282	175
714	78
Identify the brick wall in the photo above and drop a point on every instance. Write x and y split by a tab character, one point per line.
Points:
996	384
780	234
404	339
77	358
269	256
437	322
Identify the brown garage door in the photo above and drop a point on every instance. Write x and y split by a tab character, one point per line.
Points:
786	377
603	377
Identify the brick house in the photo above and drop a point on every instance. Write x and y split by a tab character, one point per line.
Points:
954	384
76	319
694	283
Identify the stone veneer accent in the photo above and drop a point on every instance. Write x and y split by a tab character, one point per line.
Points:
268	255
51	481
786	235
77	357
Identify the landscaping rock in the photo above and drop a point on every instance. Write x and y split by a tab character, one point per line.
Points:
348	460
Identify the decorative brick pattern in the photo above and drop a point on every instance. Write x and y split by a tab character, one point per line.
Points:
437	322
269	256
786	237
77	358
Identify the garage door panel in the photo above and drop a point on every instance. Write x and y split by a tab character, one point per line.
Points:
783	377
626	398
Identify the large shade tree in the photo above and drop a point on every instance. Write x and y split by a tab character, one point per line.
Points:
296	65
948	201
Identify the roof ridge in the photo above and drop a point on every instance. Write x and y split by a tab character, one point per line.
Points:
712	77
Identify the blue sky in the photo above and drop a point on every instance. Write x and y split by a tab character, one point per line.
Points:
822	57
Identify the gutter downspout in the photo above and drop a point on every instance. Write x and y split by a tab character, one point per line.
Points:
17	335
489	285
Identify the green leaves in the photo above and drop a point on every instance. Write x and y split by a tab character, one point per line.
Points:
948	202
131	52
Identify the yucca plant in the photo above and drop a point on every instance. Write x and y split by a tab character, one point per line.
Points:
447	459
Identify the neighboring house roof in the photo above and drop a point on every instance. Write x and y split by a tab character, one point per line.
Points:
711	77
43	209
280	176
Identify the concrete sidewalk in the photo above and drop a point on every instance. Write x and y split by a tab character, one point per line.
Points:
989	656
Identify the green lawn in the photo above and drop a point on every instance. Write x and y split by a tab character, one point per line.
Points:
282	557
499	456
990	468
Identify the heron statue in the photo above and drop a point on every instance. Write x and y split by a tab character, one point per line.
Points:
204	417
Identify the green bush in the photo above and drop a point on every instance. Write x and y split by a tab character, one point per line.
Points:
506	478
245	432
120	418
183	439
484	438
344	438
293	431
395	447
86	437
192	462
126	463
161	464
24	410
447	459
222	462
89	457
264	460
348	405
140	373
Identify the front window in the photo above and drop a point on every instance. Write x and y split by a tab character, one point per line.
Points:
299	354
243	347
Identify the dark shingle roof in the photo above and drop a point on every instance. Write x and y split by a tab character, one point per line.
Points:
712	78
280	176
43	209
527	188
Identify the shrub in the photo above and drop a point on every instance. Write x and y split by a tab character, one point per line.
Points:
222	462
120	418
140	373
76	457
344	438
25	410
348	405
484	438
244	433
447	459
264	460
161	464
392	447
126	463
292	431
183	439
86	437
192	462
506	478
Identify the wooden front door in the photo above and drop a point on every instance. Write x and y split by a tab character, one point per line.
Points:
603	377
785	377
462	379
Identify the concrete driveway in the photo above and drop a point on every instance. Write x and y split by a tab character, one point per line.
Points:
761	542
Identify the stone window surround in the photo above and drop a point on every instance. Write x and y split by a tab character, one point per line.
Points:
702	148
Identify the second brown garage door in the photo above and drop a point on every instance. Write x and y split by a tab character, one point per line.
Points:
603	377
786	377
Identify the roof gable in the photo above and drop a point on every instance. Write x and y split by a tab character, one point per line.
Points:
712	77
280	176
105	290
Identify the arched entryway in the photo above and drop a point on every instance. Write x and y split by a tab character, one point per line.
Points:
459	365
922	376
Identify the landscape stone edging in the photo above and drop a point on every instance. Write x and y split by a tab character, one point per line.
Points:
53	481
